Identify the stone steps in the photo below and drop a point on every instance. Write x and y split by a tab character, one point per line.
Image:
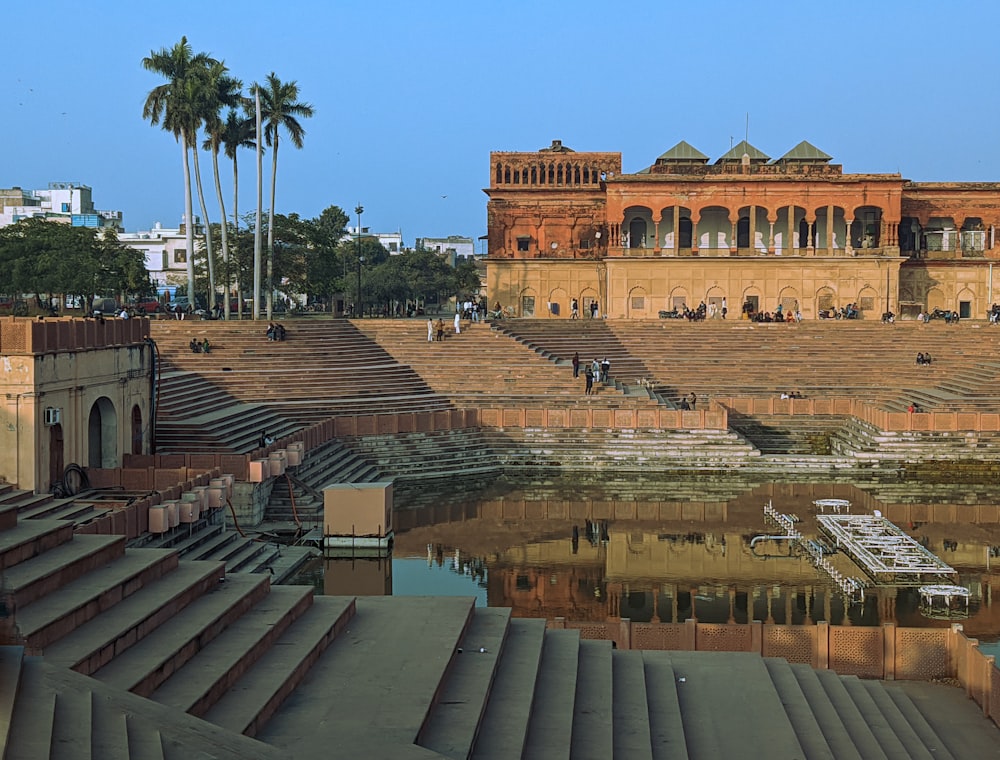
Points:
93	644
503	729
452	726
247	706
550	728
60	612
147	664
46	572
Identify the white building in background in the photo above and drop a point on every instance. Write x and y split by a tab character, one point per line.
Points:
166	252
453	246
66	202
391	241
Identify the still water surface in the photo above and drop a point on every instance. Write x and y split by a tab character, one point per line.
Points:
668	550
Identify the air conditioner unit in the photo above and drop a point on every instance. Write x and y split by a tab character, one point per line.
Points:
53	415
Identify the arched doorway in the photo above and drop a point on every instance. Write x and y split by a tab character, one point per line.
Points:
743	232
136	430
637	233
102	434
57	461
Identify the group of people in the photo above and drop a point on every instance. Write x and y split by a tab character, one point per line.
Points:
924	357
574	309
791	394
689	402
276	331
596	371
435	330
200	346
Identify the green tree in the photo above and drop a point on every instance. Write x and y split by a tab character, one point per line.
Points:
176	105
280	109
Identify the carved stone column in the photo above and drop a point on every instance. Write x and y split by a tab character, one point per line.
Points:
848	245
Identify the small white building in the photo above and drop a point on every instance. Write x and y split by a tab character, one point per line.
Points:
165	249
453	246
66	202
391	241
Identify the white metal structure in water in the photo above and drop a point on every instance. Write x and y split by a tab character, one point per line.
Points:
882	550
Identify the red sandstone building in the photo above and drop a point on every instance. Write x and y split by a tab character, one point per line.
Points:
794	230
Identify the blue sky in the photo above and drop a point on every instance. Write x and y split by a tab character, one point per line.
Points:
410	98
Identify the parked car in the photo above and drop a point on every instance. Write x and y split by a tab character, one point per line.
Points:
148	305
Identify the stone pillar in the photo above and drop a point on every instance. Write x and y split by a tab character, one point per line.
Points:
770	235
677	229
848	246
753	229
809	234
829	228
733	245
656	233
694	235
791	229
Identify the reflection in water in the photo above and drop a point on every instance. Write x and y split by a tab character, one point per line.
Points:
668	551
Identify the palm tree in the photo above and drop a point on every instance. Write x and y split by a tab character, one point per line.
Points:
175	104
238	132
223	91
279	108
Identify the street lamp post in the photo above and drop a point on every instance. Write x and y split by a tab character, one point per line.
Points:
359	210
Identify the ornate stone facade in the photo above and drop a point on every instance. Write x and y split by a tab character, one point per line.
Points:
795	231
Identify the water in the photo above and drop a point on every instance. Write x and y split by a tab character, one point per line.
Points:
668	550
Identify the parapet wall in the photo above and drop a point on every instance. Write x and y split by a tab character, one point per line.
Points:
21	335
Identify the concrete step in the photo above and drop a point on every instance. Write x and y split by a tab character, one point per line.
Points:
248	705
504	725
880	727
10	678
216	538
829	720
73	726
632	740
451	727
898	724
109	730
144	666
928	737
800	710
29	538
964	733
380	676
60	612
708	691
854	721
30	732
214	669
49	571
550	730
144	740
666	725
593	724
94	644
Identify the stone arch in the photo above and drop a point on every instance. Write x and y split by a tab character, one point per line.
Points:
788	298
714	228
638	302
638	223
558	303
136	429
677	299
936	299
867	228
587	297
751	297
102	434
868	301
826	298
965	303
715	298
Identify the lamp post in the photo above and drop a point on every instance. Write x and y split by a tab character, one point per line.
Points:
359	210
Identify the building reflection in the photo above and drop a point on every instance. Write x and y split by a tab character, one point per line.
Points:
604	556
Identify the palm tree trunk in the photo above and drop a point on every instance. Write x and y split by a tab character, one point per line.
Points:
224	231
208	230
260	202
236	226
188	226
270	228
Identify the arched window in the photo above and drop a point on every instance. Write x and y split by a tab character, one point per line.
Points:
499	174
506	175
534	175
